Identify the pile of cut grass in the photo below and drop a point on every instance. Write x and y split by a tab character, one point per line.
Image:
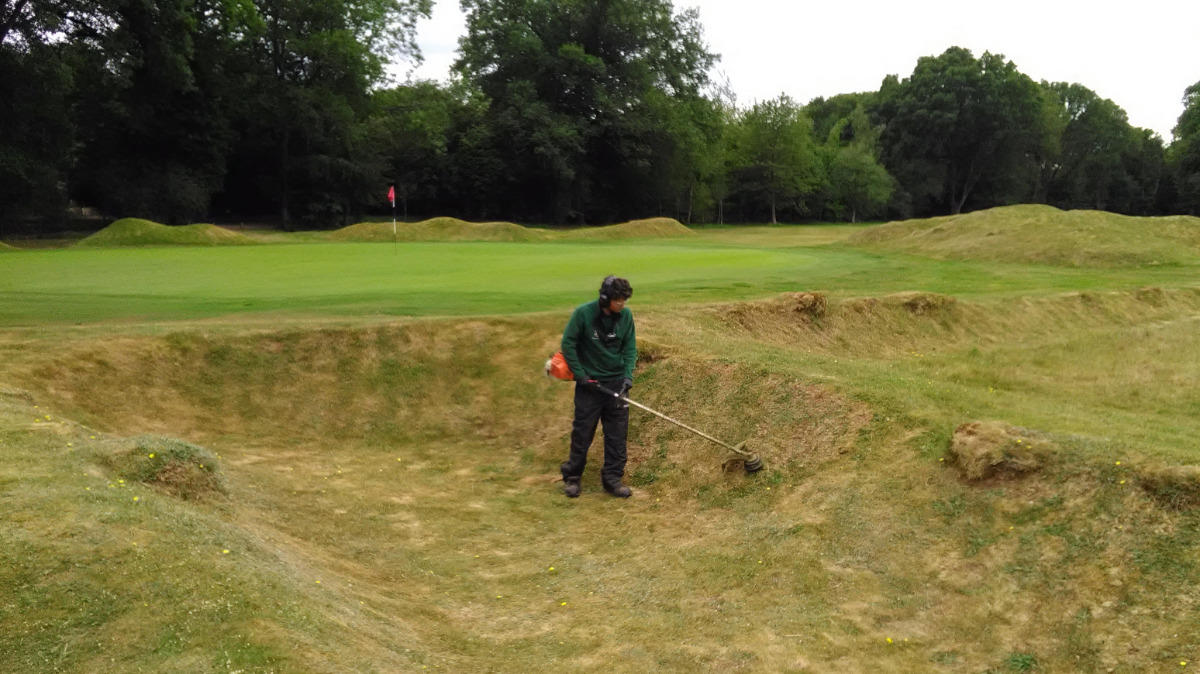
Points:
1034	233
131	232
179	468
453	229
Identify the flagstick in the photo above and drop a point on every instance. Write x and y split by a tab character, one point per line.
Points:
392	196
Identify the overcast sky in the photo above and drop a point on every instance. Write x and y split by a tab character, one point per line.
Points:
1142	55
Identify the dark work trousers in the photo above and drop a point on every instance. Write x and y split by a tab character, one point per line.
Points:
592	406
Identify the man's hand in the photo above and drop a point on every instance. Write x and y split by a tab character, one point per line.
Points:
626	385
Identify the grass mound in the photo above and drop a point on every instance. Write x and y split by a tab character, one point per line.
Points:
4	247
649	228
910	322
179	468
453	229
438	229
138	232
987	449
1033	233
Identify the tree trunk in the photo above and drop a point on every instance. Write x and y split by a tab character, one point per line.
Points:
773	220
691	190
972	178
721	211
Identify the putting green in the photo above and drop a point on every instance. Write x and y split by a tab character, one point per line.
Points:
422	279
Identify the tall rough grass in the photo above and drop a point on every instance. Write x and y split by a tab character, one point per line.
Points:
1042	234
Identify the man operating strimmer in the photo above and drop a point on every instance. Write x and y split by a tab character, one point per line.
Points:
600	347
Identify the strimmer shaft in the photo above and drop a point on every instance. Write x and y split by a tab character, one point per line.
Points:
660	415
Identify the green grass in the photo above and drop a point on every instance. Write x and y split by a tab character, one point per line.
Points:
380	425
454	279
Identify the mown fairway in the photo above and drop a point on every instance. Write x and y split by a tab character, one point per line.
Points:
386	455
323	281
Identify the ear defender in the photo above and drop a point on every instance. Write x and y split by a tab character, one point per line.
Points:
606	291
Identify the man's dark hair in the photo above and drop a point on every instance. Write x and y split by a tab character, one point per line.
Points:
614	288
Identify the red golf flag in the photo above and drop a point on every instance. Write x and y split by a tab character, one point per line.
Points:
392	195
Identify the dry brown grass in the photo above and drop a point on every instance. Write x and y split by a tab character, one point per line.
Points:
1176	487
411	467
909	322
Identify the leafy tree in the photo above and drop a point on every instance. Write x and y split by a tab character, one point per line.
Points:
1145	165
855	182
27	23
775	159
153	135
36	88
310	65
686	137
826	114
1098	160
579	94
35	145
858	183
1090	145
1185	152
717	167
409	127
961	128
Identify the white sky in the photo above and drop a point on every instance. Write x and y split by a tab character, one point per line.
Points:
1142	55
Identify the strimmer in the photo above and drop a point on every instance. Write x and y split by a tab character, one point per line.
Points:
753	464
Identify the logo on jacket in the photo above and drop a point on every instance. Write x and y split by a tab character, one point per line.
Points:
609	339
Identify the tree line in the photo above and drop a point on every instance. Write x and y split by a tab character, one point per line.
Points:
582	112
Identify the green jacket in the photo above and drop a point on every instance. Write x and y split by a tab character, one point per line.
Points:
589	351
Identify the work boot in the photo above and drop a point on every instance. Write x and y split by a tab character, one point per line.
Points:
571	487
619	490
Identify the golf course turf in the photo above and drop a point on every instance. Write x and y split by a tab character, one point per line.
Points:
323	456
